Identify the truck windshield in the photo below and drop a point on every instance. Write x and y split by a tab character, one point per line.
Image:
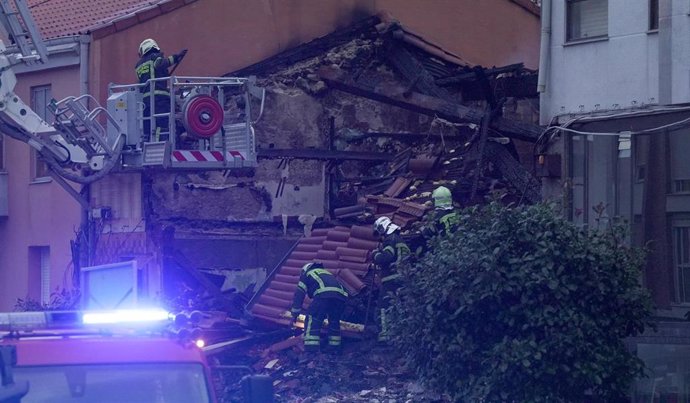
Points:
115	383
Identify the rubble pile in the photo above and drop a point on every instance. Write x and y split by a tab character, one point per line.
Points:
364	372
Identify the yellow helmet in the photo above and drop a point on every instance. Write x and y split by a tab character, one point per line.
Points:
443	199
146	45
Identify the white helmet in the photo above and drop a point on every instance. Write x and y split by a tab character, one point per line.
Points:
384	225
315	265
146	45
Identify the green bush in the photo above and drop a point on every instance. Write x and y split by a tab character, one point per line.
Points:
519	305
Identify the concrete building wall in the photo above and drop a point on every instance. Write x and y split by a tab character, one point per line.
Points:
41	213
617	72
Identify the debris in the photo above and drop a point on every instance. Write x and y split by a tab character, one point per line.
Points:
285	344
271	364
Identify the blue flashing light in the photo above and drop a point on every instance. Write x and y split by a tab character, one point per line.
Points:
125	316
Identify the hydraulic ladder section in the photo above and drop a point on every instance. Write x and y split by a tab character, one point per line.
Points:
20	26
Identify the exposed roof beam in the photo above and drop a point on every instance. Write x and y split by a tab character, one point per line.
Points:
396	95
319	154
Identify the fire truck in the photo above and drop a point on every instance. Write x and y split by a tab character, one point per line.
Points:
132	356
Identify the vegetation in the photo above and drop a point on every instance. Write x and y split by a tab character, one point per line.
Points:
520	305
60	300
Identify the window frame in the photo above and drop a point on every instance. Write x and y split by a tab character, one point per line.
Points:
653	23
568	23
677	225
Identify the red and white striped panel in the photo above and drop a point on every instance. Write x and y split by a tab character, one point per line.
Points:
203	156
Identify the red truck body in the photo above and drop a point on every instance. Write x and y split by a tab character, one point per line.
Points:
73	367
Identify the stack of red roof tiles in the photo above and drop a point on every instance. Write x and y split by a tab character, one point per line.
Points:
344	251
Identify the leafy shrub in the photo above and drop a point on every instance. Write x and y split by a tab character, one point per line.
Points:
519	305
60	300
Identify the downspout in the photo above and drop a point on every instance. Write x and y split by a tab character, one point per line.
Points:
84	43
86	252
545	44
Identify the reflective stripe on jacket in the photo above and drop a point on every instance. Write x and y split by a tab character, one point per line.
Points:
151	66
317	282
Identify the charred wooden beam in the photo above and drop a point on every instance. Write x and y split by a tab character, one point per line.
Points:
472	76
462	133
524	86
513	171
322	154
393	95
415	73
483	136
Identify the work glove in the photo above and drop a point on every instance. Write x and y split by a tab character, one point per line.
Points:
293	320
180	56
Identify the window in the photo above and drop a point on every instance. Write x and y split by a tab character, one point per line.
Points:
680	163
587	19
40	99
601	171
653	15
681	259
39	273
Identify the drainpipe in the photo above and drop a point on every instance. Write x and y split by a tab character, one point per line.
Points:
665	52
86	248
545	44
84	43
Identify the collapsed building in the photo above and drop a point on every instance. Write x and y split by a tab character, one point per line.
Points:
360	123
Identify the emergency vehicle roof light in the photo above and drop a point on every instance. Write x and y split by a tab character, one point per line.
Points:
125	316
28	321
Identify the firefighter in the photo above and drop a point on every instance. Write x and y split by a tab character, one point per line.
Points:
328	298
444	219
387	257
154	64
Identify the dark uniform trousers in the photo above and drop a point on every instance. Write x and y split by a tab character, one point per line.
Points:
320	309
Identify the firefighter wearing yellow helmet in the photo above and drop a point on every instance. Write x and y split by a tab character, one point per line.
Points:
391	252
328	298
153	64
444	219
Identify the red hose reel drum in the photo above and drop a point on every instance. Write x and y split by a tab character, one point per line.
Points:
202	116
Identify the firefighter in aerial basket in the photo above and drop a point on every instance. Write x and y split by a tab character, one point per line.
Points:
154	64
391	252
328	299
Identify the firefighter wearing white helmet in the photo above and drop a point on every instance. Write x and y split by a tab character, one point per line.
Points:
387	256
328	298
154	64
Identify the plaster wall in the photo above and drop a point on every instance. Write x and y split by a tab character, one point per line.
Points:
618	72
40	213
485	32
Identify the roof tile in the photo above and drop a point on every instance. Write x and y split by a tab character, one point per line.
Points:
343	250
56	18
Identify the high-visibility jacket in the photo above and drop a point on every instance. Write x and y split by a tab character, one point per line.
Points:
317	282
151	66
391	253
443	222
